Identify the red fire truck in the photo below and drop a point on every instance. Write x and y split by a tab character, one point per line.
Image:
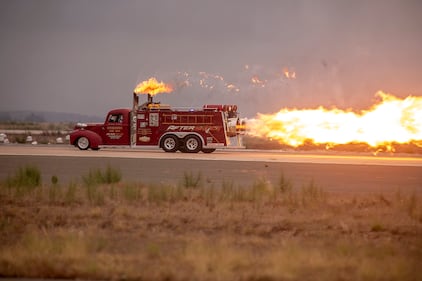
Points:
156	124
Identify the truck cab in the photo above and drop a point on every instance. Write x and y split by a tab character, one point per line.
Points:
115	131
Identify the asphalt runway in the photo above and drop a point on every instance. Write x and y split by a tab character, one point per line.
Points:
332	171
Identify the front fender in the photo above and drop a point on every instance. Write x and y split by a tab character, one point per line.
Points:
94	139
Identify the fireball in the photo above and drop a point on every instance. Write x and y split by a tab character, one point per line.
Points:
152	87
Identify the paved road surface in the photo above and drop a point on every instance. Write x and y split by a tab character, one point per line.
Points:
334	172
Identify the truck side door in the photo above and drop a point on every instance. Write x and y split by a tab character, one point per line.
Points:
116	129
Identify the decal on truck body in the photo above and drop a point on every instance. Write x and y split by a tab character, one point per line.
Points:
206	129
180	128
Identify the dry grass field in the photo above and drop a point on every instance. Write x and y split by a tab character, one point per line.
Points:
101	227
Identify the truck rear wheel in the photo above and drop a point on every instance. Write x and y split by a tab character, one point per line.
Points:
170	143
192	144
83	143
208	150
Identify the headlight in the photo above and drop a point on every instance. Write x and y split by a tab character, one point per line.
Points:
80	125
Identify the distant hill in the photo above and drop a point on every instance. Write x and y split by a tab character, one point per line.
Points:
38	116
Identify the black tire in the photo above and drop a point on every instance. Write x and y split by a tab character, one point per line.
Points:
192	144
83	143
208	150
170	143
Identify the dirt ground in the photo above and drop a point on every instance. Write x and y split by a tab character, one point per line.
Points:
194	230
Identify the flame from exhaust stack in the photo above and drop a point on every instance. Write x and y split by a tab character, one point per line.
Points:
255	80
289	74
391	120
256	77
152	87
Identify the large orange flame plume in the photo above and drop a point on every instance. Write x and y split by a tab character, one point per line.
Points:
391	120
152	87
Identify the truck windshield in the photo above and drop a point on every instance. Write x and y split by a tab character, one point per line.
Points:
115	118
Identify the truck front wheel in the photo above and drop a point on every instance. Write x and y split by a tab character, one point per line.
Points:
192	144
170	143
83	143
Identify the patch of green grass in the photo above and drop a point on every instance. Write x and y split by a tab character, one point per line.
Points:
284	184
95	194
261	189
70	195
54	193
131	192
413	207
191	180
227	190
27	176
165	193
96	176
312	193
209	195
25	180
112	175
54	180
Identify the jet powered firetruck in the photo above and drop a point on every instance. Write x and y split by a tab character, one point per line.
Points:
155	124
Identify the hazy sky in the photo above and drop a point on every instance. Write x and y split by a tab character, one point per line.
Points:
86	56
